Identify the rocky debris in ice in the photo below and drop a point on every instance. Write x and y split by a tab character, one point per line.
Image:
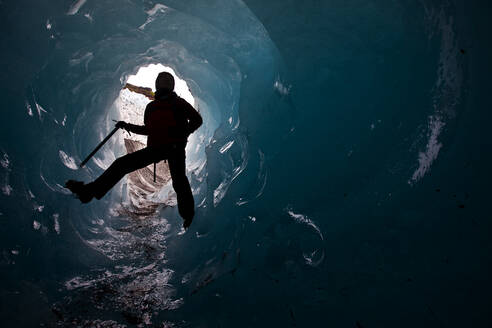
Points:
75	7
36	225
5	161
7	190
29	109
281	88
427	157
38	208
56	222
67	160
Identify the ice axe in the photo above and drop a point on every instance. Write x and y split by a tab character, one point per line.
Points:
98	146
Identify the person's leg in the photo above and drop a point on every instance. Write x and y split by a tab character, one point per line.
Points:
181	185
122	166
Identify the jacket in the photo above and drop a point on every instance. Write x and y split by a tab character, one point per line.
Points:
168	120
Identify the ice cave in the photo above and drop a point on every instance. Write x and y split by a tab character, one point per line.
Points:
340	176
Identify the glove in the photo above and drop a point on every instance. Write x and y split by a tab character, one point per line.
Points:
122	125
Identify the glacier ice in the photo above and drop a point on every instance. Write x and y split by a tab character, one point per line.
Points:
337	175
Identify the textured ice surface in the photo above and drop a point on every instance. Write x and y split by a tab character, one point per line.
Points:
340	177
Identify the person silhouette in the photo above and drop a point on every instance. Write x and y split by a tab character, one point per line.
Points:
168	121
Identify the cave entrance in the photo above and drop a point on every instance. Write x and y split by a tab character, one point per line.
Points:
146	76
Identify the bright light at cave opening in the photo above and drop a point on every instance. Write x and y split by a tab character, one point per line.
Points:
131	105
146	76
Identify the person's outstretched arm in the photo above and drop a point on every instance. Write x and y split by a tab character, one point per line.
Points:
138	129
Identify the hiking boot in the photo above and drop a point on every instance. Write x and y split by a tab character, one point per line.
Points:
81	190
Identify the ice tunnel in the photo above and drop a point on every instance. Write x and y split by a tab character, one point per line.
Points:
340	176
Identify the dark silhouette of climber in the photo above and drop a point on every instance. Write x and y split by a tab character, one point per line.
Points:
168	121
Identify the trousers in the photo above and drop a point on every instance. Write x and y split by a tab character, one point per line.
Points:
176	157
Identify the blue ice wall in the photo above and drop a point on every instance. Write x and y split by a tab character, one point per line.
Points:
345	165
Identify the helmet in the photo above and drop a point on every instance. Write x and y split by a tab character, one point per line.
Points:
165	81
